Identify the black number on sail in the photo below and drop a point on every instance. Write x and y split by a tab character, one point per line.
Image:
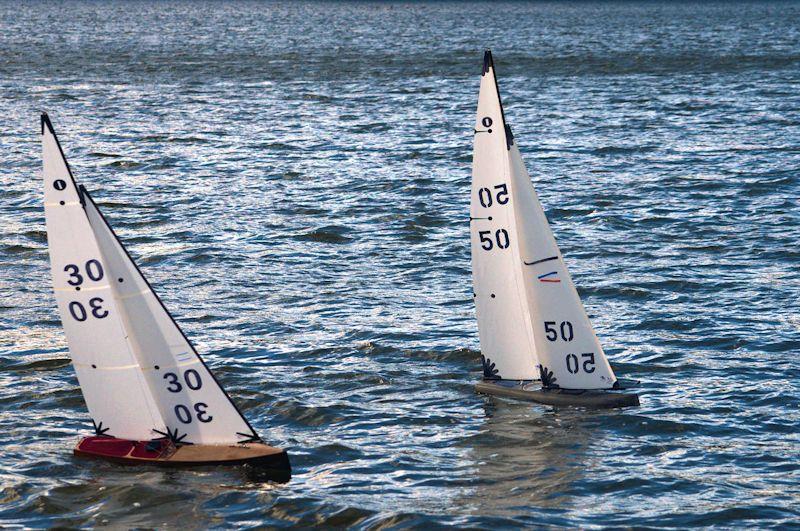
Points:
485	197
77	311
192	379
567	333
502	238
59	184
487	121
486	241
588	362
75	278
183	414
95	303
174	385
202	414
94	270
502	190
572	363
501	195
550	331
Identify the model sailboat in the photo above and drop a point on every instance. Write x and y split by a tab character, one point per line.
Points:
537	342
151	397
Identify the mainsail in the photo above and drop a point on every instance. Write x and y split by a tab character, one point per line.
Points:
504	322
556	343
139	374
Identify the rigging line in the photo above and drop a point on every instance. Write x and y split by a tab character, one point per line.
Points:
540	261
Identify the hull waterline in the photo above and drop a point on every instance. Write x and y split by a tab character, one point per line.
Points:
558	397
165	454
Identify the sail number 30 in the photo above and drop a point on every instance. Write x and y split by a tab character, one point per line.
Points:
192	380
94	272
92	269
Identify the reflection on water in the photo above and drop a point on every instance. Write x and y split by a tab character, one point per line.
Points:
528	456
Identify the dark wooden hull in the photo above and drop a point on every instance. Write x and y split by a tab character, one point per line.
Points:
558	397
165	454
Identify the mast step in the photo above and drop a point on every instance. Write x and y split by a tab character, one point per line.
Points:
592	399
162	452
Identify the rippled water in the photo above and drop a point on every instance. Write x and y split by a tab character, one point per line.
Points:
294	180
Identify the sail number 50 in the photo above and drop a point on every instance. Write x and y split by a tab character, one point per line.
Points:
573	364
552	333
501	195
500	239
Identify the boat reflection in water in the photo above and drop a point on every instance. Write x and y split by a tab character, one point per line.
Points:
529	456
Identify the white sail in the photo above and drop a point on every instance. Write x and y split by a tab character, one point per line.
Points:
139	374
567	347
504	323
108	371
531	321
193	405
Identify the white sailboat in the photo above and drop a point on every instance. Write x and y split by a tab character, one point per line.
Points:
537	342
151	397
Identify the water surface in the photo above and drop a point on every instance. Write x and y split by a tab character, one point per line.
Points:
294	180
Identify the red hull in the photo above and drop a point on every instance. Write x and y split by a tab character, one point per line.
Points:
162	452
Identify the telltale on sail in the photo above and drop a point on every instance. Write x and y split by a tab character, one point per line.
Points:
537	342
151	397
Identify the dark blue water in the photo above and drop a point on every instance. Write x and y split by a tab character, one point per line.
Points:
294	180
